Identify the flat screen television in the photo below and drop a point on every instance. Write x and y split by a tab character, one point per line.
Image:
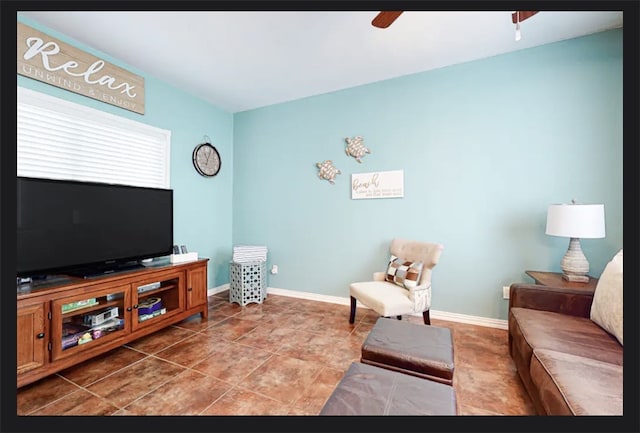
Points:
89	228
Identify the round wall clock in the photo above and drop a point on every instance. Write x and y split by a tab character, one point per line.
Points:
206	160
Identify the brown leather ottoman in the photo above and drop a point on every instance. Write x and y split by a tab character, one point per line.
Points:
420	350
368	390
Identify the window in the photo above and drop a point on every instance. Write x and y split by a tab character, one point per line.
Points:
58	139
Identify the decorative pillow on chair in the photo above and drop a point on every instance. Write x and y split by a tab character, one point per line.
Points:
404	273
606	308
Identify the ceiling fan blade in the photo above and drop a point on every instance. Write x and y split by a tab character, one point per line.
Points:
523	15
385	19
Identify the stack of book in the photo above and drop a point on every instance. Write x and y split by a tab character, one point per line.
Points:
249	253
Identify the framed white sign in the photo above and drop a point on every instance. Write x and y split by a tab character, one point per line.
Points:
379	184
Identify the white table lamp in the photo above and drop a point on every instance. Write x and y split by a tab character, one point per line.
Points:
575	221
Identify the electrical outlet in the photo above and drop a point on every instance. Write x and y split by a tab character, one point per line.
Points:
505	292
274	269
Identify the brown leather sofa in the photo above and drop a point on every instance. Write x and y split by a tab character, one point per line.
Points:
568	363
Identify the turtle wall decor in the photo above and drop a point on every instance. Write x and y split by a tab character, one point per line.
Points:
356	148
327	171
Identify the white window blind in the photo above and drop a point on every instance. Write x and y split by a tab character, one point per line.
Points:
58	139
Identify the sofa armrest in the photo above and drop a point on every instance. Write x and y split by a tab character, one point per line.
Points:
570	301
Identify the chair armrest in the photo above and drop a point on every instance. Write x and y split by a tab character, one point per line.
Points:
421	297
378	276
573	302
420	288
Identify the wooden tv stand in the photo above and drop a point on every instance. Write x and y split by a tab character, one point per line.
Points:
65	320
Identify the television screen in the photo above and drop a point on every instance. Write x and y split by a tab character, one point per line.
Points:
65	225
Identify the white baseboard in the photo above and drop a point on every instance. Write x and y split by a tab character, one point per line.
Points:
471	320
216	290
435	314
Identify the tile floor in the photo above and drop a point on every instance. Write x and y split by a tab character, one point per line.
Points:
282	357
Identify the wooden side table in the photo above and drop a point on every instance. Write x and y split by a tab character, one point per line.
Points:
555	279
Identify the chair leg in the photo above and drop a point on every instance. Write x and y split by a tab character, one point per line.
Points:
352	316
399	317
426	318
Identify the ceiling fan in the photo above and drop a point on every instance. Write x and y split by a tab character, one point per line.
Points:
386	18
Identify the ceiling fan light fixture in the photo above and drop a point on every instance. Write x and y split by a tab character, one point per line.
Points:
518	34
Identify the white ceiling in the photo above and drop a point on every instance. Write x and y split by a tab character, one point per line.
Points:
240	60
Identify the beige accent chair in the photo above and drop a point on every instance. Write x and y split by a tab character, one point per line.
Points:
389	299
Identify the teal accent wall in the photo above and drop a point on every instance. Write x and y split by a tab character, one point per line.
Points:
202	206
485	147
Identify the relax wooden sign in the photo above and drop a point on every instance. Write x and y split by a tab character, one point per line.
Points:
51	61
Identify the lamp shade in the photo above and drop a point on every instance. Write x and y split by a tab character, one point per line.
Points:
576	220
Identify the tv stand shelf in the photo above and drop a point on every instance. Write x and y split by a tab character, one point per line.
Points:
157	291
65	320
90	308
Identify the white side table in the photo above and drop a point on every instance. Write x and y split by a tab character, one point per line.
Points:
248	282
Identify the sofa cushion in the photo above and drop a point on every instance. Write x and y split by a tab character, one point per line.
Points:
606	309
563	333
575	385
